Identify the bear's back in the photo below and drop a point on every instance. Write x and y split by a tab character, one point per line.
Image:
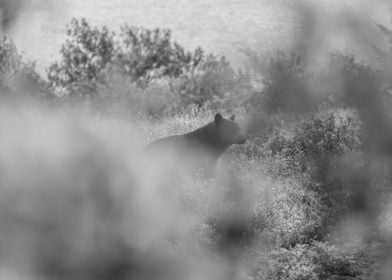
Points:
180	154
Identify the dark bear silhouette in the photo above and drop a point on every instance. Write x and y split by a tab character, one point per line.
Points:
196	151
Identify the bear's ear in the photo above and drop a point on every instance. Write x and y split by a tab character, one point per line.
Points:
232	118
218	118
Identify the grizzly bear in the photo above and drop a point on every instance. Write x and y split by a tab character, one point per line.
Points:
196	151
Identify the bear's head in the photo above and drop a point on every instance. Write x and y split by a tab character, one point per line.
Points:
227	131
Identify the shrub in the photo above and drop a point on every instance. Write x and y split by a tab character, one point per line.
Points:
319	151
293	214
317	136
214	81
286	84
289	85
316	261
351	82
17	76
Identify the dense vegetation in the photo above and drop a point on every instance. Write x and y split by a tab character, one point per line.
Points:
307	197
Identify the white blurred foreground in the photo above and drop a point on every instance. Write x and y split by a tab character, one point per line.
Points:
70	208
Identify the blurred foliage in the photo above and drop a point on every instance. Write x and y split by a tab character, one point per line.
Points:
312	262
285	83
290	87
18	77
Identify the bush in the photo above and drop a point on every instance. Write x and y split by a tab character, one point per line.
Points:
294	214
290	86
286	84
351	82
18	77
214	81
320	153
318	136
317	261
